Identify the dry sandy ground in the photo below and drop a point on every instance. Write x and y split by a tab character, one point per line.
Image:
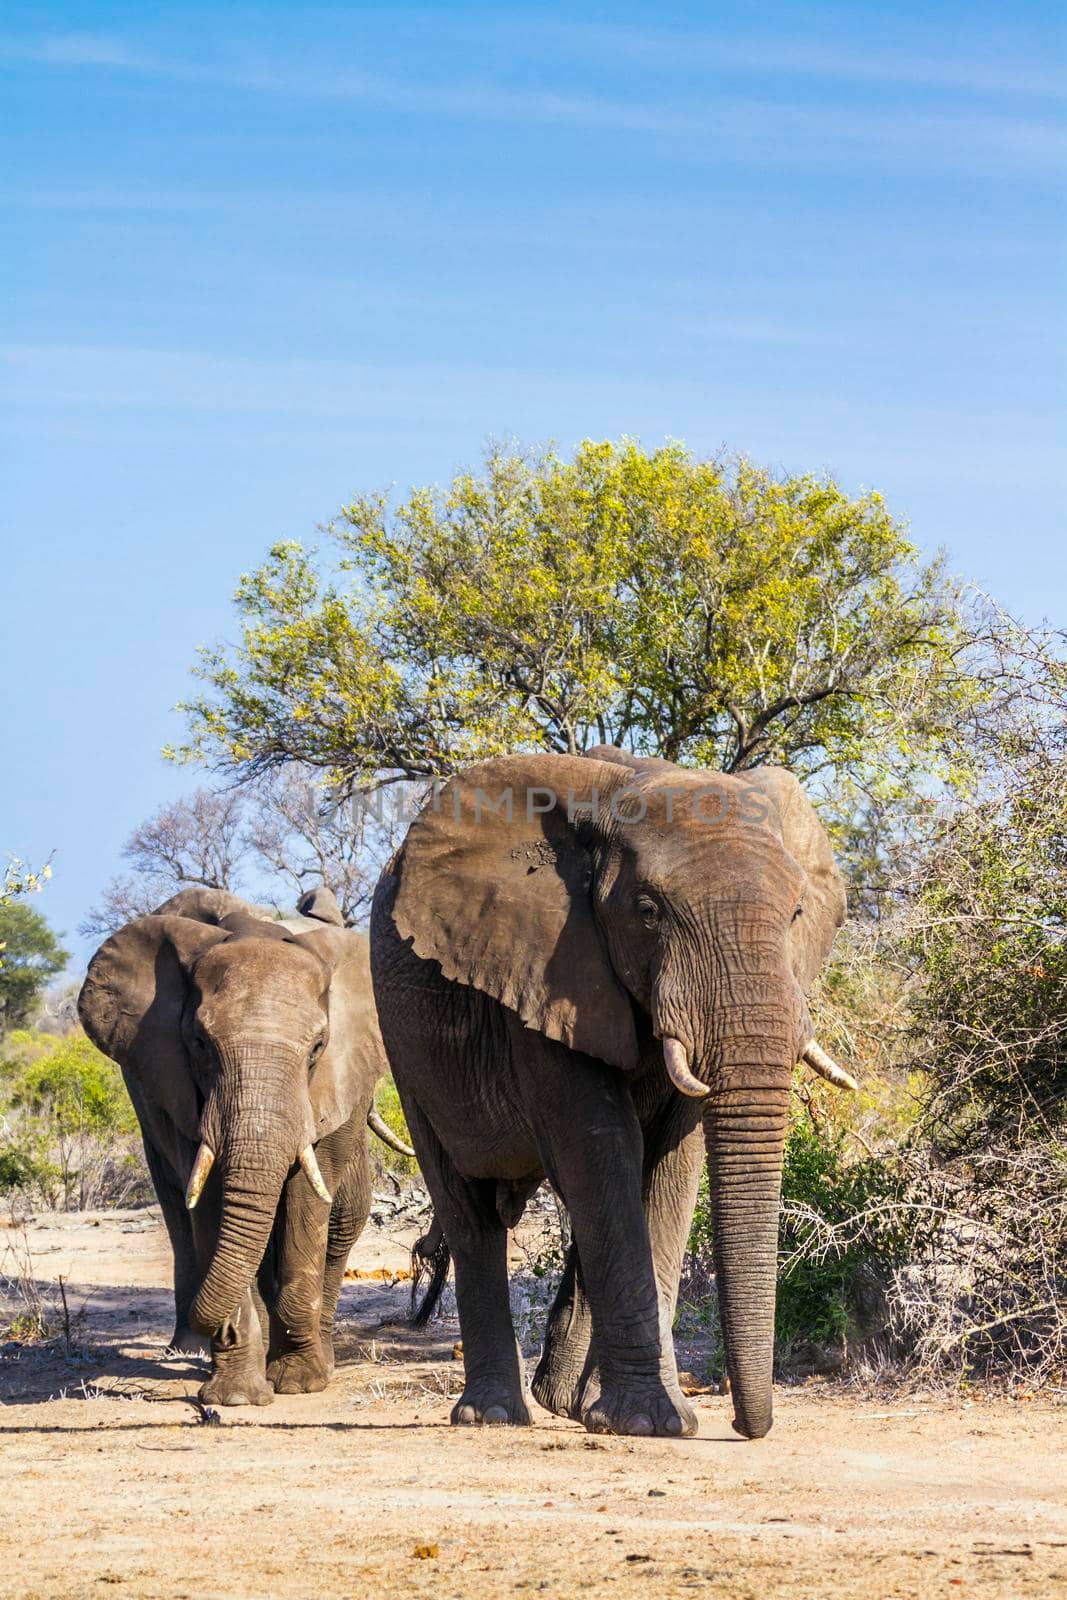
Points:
118	1488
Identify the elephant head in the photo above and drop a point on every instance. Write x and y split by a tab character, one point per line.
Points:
222	1022
610	903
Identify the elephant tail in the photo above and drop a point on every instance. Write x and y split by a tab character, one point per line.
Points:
430	1254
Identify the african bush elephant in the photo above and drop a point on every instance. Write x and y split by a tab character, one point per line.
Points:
583	964
250	1049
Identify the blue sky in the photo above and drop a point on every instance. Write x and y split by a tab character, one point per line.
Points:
260	258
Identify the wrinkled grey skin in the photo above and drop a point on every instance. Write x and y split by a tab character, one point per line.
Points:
525	970
259	1038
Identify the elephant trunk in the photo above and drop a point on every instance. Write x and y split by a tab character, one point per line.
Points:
745	1136
745	1059
256	1122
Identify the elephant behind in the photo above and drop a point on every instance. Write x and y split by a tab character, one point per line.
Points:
250	1049
593	969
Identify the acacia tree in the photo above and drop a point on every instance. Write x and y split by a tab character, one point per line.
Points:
706	611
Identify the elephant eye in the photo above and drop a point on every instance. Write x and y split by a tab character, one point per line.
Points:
317	1049
648	911
798	912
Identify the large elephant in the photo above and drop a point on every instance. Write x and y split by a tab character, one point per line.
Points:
593	968
250	1049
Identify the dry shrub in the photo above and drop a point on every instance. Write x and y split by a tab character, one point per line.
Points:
988	1299
924	1221
954	1007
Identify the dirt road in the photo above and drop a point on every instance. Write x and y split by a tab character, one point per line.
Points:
111	1484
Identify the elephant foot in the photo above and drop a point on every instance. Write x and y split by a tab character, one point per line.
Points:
241	1387
187	1342
647	1410
489	1405
563	1392
299	1372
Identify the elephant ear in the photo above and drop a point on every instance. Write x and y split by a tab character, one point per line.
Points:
805	838
494	884
343	1078
321	904
131	1006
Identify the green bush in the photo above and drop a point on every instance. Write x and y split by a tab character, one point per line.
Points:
22	1166
67	1128
387	1104
76	1089
842	1231
18	1049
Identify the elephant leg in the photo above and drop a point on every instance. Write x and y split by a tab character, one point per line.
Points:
299	1362
265	1287
568	1363
170	1193
351	1208
674	1154
494	1387
600	1179
567	1380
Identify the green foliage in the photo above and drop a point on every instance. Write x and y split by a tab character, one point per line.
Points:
67	1128
840	1219
23	1166
387	1104
76	1089
706	611
30	956
19	1048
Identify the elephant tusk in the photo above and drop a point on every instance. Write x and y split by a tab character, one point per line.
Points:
205	1160
816	1058
378	1125
674	1059
314	1176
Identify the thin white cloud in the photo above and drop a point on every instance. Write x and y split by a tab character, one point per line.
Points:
133	199
730	128
940	66
77	50
139	398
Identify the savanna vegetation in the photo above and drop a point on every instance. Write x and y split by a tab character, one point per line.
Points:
723	616
68	1134
30	956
